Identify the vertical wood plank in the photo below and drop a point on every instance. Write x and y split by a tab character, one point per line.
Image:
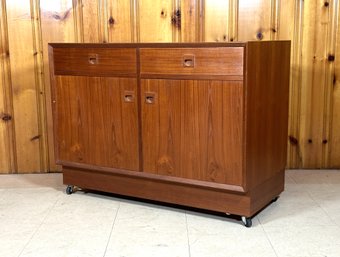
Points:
334	148
102	12
333	17
134	20
233	21
39	83
200	20
254	20
314	86
176	20
78	20
275	19
7	139
119	21
90	15
216	17
23	85
189	20
57	25
155	21
291	14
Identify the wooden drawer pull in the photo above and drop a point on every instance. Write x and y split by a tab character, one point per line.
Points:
188	61
93	59
129	96
150	97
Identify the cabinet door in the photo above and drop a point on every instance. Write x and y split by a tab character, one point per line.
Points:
193	129
95	121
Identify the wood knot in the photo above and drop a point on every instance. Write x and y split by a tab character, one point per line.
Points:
231	40
325	141
293	140
326	4
5	117
274	30
35	137
176	19
310	141
112	21
331	58
224	37
259	35
163	13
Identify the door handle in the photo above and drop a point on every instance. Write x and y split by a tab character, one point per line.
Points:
150	97
129	96
189	60
93	58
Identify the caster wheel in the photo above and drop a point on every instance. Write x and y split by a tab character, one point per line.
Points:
246	221
69	190
275	199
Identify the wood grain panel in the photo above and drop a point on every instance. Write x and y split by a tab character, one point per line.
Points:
7	143
57	25
331	50
95	125
334	151
24	89
216	21
155	20
316	20
119	21
233	21
90	19
40	84
267	79
94	61
254	20
188	128
189	20
291	29
226	61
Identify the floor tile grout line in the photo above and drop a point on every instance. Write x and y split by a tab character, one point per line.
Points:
270	242
39	226
186	223
112	227
330	217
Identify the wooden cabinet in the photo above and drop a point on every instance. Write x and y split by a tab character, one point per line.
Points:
202	125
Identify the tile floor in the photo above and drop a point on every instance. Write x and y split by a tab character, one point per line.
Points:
38	219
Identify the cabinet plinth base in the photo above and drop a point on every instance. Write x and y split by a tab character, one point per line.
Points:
245	204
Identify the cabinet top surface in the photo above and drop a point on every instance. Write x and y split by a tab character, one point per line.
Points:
147	45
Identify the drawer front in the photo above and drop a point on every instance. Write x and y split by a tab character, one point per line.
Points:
95	61
222	61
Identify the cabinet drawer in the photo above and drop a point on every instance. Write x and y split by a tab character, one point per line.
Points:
94	61
220	61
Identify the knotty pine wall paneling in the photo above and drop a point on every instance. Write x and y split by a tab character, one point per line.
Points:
7	139
317	68
27	26
30	144
334	148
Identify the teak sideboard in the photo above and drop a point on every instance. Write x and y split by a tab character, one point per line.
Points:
195	124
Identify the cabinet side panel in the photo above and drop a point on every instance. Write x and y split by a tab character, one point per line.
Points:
267	95
193	129
94	123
